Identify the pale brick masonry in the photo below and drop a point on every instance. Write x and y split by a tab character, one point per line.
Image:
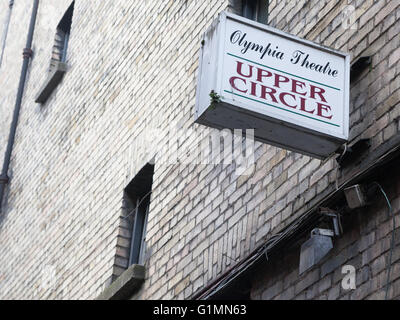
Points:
364	245
133	68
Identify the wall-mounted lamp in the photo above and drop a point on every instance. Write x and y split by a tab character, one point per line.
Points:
315	248
355	197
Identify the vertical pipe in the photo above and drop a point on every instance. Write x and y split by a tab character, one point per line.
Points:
5	31
27	54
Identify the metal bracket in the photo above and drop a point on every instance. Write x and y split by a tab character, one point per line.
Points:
335	219
322	232
27	53
315	249
353	152
4	179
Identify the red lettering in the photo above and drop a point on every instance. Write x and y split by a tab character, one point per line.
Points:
303	106
261	73
233	84
296	84
271	92
253	88
296	98
282	98
280	79
323	107
319	91
239	70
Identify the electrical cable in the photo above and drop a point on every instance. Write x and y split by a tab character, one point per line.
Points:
294	227
338	166
340	223
239	269
140	202
389	265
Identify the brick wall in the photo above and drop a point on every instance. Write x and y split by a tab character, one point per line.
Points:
374	114
365	245
133	68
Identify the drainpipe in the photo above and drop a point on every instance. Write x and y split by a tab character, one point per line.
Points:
27	55
5	32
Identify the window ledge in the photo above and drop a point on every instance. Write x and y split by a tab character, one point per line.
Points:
52	82
125	285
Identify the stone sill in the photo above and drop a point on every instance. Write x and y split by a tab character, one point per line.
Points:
51	83
125	285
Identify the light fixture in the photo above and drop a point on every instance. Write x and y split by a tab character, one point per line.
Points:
315	248
355	197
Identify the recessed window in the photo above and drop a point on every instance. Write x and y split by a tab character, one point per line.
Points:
256	10
60	47
131	243
138	194
58	65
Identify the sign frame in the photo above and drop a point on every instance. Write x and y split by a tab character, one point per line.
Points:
218	110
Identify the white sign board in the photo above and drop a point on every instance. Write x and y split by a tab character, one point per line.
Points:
293	92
